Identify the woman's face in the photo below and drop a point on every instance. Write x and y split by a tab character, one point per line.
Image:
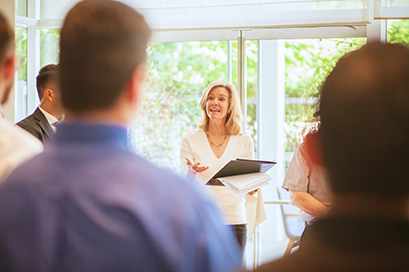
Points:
217	105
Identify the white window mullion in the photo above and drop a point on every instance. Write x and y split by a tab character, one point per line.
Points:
242	80
376	31
33	56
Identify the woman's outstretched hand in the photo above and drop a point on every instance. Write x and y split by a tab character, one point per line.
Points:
195	167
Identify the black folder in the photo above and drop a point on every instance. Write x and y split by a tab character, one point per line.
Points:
240	167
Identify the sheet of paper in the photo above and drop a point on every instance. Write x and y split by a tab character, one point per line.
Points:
242	184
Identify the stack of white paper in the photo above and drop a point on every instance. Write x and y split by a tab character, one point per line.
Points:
242	184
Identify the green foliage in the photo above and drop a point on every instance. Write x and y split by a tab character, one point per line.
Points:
252	68
177	75
308	63
398	32
234	62
252	88
49	46
21	49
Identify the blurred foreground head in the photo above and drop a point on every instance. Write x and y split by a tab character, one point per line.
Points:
7	58
364	129
102	43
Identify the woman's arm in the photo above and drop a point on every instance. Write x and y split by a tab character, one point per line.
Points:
195	167
308	204
185	153
187	160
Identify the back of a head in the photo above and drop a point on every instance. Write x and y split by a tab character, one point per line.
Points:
47	76
365	121
102	42
6	38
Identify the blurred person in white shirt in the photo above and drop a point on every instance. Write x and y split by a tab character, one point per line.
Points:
16	145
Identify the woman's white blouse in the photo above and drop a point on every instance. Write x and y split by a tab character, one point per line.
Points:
196	147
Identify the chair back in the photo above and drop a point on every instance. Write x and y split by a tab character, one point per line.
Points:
293	223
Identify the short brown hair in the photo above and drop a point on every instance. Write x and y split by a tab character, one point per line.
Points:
102	42
365	121
47	75
7	43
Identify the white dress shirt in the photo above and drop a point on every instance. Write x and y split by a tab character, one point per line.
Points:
237	210
16	146
50	118
196	147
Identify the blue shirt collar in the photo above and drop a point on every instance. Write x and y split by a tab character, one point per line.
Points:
108	135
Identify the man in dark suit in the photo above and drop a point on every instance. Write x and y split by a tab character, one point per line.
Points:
42	123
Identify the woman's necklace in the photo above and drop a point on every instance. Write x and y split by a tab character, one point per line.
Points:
215	136
212	143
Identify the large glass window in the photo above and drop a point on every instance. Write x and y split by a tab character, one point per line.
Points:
49	46
21	8
178	73
308	62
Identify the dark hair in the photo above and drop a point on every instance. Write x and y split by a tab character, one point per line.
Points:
7	43
365	121
46	76
102	42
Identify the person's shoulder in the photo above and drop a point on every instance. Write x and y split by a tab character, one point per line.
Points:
141	167
158	174
301	151
300	260
25	123
17	146
29	140
193	134
19	137
29	120
299	158
32	125
243	137
281	265
26	120
160	183
302	147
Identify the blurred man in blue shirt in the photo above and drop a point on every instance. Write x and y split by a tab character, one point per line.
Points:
87	203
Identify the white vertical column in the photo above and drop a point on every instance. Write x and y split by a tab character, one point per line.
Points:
229	63
272	106
377	31
33	56
271	116
242	80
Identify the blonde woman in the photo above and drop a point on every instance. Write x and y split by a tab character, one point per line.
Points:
218	140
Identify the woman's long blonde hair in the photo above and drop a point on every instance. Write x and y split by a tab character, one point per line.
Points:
234	118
